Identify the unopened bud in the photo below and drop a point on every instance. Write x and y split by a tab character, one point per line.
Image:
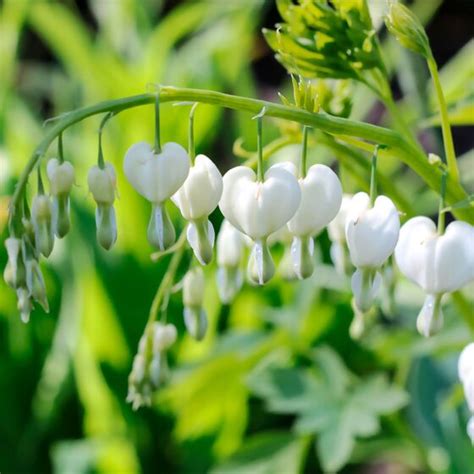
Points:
434	159
24	304
229	283
195	320
407	29
160	232
41	218
102	183
430	319
164	336
61	177
201	236
260	267
302	250
61	221
159	370
35	283
14	273
106	225
193	288
470	429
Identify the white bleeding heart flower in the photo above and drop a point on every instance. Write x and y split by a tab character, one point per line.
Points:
156	176
321	196
61	176
259	208
164	336
371	232
470	429
42	220
14	273
195	317
466	362
437	263
196	199
202	190
365	286
102	184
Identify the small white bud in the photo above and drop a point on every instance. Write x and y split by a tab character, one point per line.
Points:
102	183
61	176
195	320
433	159
164	336
466	363
14	273
193	287
41	218
24	304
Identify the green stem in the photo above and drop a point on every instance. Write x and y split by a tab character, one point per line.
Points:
168	278
445	125
400	147
304	152
373	177
40	181
157	123
60	148
191	147
100	158
441	212
260	172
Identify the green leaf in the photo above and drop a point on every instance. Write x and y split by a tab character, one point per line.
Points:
318	418
267	453
335	373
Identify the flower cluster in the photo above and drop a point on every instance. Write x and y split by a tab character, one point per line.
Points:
466	376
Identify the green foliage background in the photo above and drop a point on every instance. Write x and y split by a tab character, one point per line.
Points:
278	369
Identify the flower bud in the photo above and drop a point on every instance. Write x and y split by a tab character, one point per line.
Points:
106	225
164	336
260	268
160	232
200	235
229	283
35	283
337	227
195	320
14	273
470	429
61	221
24	304
230	244
365	284
61	177
302	250
407	29
159	370
193	287
430	319
102	183
466	363
371	232
41	218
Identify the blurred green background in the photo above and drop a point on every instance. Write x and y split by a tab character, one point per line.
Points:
278	366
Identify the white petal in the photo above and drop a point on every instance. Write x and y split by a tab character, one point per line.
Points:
466	362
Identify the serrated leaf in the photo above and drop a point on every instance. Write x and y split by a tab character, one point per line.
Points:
335	373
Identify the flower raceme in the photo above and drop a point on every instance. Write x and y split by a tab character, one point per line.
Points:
436	263
102	185
157	176
321	196
197	198
371	235
259	208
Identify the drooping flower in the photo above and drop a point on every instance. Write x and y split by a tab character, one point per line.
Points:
466	376
436	263
259	208
157	176
230	246
371	235
102	185
41	219
196	199
195	317
61	180
321	196
14	273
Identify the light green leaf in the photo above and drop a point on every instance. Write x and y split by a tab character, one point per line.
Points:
335	373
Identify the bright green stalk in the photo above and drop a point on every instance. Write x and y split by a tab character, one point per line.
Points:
191	146
399	147
304	152
445	125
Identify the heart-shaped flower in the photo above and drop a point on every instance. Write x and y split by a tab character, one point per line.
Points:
60	175
259	208
437	263
321	196
156	176
371	232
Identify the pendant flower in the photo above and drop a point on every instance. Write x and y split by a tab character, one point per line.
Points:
259	208
157	176
371	234
195	317
41	218
466	376
14	273
102	185
321	196
61	180
337	234
196	199
436	263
